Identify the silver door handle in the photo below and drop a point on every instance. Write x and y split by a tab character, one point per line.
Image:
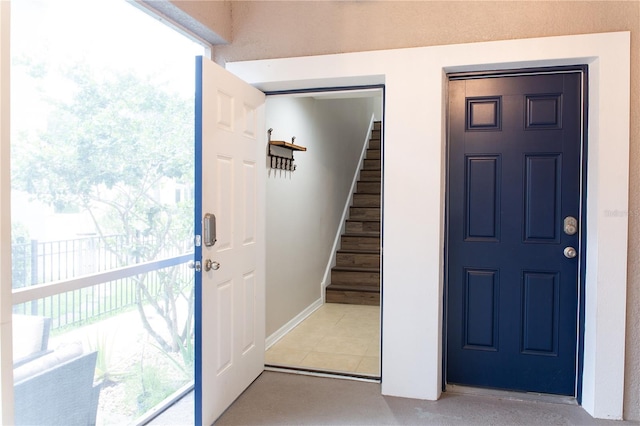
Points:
570	252
210	264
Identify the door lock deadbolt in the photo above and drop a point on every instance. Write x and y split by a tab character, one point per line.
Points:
570	225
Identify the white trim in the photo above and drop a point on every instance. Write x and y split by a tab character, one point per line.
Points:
165	404
6	352
413	227
282	331
154	8
336	242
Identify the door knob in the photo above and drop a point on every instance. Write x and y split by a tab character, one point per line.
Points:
210	264
570	252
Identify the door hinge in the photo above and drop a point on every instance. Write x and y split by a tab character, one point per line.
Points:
197	241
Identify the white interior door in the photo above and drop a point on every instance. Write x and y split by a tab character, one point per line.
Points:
230	318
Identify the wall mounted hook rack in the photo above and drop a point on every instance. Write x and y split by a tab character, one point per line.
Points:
281	153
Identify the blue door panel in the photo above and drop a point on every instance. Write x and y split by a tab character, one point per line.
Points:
481	310
543	111
542	177
482	194
540	312
514	175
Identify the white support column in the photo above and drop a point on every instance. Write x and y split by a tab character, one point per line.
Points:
6	355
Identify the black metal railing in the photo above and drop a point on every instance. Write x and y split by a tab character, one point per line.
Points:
36	263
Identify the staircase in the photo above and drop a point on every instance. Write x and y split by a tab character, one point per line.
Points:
356	277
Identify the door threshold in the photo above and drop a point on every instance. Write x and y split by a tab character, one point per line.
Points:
512	395
321	373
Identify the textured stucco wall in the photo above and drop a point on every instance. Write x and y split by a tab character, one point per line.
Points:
265	29
275	29
212	14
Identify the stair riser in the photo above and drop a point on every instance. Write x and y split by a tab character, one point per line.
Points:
370	175
360	260
368	187
375	133
359	243
373	154
364	213
371	164
366	200
374	143
355	278
353	297
377	125
360	227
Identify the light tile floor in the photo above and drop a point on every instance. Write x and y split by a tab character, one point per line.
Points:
335	338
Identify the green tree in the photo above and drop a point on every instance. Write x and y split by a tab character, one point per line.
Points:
109	148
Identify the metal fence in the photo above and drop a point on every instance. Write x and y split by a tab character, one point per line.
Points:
38	262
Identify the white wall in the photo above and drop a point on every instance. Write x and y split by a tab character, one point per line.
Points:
414	193
304	207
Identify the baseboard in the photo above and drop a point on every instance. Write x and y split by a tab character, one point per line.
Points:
282	331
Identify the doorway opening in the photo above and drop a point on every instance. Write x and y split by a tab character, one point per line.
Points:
515	205
308	216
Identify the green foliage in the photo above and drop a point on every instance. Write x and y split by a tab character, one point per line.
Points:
153	381
108	148
153	389
111	147
21	255
187	357
102	341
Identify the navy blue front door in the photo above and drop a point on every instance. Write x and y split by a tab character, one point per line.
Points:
513	181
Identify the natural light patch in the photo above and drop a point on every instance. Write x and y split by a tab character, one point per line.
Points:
102	181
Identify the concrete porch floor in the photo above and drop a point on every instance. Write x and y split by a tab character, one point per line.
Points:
277	398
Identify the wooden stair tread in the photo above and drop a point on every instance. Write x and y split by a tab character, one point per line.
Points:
358	288
360	235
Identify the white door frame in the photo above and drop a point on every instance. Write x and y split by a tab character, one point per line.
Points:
6	355
414	161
